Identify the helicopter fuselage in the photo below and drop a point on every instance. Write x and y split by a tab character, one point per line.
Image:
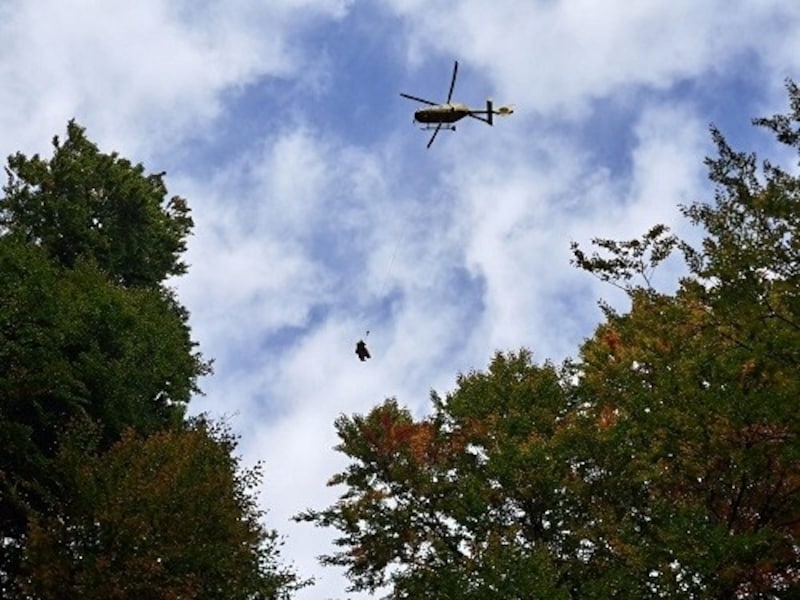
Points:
442	116
442	113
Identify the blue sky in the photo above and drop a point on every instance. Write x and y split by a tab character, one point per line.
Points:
320	214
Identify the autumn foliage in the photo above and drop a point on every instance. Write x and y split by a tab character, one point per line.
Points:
169	515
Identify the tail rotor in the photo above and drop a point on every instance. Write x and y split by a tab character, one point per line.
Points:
487	116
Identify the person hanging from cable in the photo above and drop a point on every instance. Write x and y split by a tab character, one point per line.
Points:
361	346
361	350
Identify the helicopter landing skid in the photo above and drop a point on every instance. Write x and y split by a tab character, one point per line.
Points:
431	126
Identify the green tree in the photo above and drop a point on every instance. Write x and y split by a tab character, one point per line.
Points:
171	515
83	203
703	386
106	490
663	461
87	328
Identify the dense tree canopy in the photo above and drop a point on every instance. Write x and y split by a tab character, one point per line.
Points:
106	491
171	515
72	345
663	461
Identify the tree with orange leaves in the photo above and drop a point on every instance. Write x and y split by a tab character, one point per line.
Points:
705	388
170	515
449	504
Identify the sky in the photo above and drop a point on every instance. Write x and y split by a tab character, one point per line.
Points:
320	214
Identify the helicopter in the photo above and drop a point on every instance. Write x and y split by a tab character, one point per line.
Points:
443	116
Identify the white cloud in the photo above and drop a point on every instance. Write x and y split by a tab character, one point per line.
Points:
143	72
518	217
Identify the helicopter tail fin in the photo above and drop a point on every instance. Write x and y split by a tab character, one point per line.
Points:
489	111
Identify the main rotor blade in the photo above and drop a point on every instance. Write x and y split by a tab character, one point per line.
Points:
452	83
433	137
418	99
